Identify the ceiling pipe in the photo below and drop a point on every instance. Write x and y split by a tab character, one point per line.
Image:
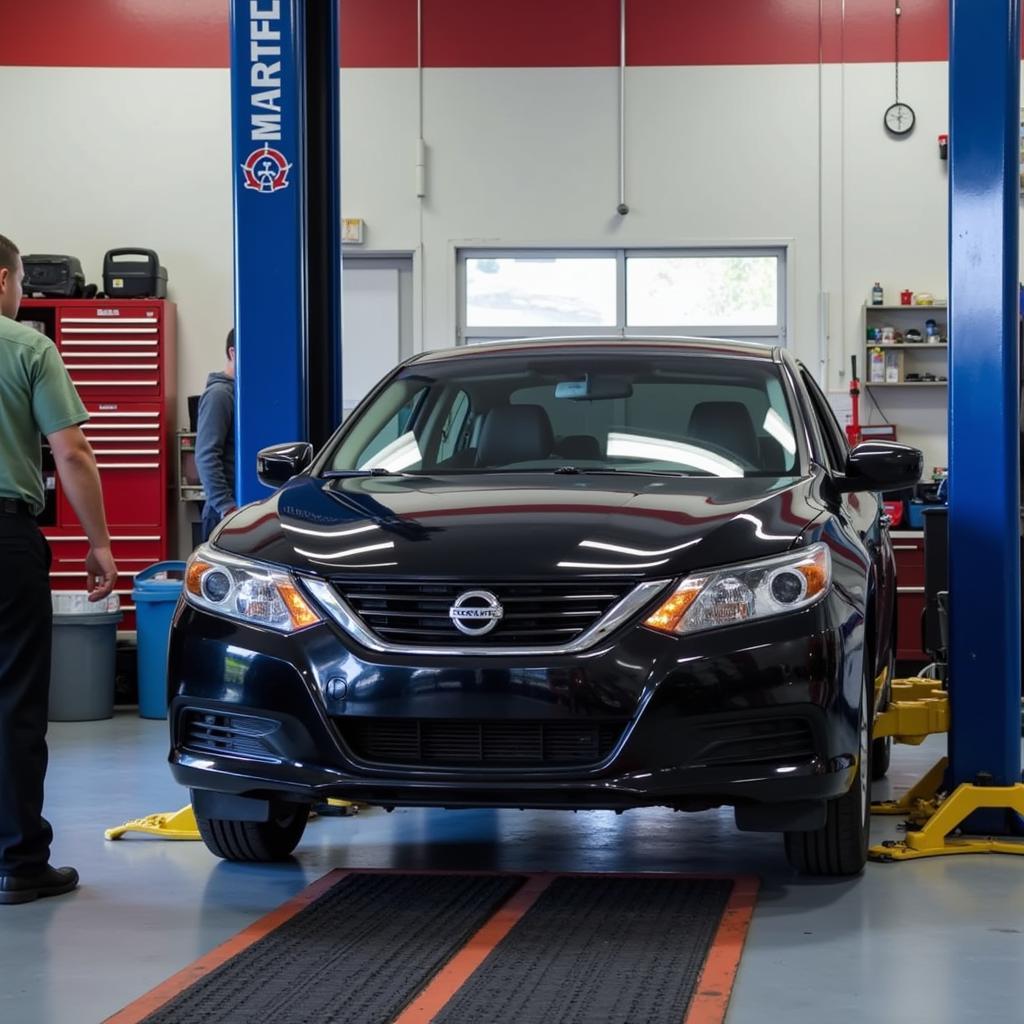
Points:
622	208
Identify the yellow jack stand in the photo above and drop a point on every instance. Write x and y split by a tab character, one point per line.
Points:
341	808
918	708
176	825
933	839
920	801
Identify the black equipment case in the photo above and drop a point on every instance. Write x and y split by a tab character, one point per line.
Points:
134	274
53	276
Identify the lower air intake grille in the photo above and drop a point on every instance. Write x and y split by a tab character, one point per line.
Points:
468	743
766	741
240	735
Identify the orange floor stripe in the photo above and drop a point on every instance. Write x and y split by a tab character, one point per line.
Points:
429	1003
711	1000
164	993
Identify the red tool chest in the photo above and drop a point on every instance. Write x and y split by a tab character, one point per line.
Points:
908	547
121	356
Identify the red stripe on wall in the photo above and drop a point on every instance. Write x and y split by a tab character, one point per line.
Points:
868	33
487	33
666	32
378	33
115	33
520	33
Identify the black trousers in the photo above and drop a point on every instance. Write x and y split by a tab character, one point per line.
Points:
25	623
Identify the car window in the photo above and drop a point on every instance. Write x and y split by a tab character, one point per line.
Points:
691	414
384	436
832	434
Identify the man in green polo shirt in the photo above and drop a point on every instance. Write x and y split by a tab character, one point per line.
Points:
36	398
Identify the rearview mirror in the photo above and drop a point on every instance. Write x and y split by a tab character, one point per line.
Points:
278	464
592	388
881	466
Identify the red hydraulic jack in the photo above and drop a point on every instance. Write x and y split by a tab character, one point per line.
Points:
853	427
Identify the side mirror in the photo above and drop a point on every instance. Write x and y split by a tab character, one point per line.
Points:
881	466
277	465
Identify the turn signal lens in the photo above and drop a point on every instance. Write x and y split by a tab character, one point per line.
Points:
302	615
817	575
194	576
742	593
670	614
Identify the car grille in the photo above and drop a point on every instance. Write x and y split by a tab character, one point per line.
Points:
535	614
763	741
474	743
240	735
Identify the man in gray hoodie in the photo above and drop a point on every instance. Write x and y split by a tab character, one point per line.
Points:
215	442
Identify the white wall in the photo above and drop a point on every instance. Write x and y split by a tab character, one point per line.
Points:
102	158
95	159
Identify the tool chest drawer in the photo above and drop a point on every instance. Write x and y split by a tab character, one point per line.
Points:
908	547
113	349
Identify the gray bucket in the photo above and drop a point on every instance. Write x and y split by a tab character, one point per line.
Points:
83	667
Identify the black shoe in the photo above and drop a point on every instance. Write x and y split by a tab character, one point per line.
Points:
45	882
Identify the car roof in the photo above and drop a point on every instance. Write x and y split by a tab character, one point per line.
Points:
606	343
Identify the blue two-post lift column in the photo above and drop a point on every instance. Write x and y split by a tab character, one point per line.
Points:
984	426
287	182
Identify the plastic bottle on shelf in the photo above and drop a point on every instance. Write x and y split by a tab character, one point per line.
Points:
877	296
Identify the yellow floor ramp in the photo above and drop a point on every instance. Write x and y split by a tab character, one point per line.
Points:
181	825
174	825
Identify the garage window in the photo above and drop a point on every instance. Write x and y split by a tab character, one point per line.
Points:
712	292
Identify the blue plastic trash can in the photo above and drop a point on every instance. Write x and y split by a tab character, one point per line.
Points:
155	594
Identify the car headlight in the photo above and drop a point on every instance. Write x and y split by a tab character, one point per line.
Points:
246	591
758	590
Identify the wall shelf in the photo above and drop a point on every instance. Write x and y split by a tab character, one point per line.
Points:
917	346
911	308
908	384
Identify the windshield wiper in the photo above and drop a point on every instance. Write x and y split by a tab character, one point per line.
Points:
628	472
339	474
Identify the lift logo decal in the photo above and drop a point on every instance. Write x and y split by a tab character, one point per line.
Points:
266	170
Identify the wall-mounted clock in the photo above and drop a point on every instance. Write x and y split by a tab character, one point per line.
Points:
899	117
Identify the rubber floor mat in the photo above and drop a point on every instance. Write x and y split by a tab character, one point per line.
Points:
357	955
592	949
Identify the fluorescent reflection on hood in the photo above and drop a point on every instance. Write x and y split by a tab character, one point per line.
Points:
328	533
346	552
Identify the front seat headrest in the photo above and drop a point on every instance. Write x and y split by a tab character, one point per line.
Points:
728	425
515	433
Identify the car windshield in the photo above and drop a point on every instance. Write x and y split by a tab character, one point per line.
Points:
678	413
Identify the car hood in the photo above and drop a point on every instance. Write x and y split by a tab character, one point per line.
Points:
504	526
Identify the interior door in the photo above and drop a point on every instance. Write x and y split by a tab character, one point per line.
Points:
376	315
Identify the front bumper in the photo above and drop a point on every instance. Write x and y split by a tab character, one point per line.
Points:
682	706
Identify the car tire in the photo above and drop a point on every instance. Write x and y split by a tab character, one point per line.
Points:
256	841
881	756
840	848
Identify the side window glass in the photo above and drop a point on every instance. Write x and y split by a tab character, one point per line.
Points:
453	431
828	425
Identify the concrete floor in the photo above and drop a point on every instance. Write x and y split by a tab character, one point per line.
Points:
933	941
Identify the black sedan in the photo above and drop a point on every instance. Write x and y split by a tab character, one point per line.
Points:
551	574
